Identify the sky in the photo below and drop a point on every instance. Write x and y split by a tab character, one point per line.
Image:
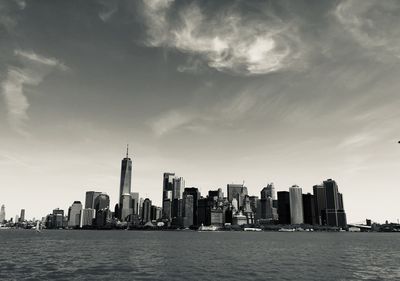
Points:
289	92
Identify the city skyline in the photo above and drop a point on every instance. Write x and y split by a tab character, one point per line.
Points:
218	92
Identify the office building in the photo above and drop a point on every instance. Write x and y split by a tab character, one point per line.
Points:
237	191
87	217
268	191
146	214
89	199
102	201
22	215
319	193
309	209
168	186
74	214
135	202
194	192
296	205
334	200
283	207
2	214
187	210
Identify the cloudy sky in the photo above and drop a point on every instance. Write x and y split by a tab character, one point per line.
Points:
290	92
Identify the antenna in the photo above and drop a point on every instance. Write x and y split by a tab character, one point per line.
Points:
127	150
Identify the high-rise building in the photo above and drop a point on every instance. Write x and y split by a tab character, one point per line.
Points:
126	207
22	216
309	209
283	207
237	191
296	205
74	214
178	185
146	214
194	192
188	210
102	201
268	191
87	217
2	214
89	199
320	203
167	195
57	218
125	185
135	202
334	200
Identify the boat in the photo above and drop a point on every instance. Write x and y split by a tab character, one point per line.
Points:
37	228
252	229
208	228
286	230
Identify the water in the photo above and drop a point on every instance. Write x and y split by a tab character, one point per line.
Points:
139	255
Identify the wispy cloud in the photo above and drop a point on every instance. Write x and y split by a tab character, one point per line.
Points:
374	24
227	41
170	121
108	9
34	68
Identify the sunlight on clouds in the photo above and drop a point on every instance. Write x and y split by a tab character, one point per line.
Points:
228	42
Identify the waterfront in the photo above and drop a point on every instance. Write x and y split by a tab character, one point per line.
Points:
181	255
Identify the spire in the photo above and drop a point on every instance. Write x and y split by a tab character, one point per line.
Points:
127	150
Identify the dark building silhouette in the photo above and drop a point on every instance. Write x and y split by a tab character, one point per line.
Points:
309	209
102	201
319	192
283	207
188	204
146	214
334	201
168	186
194	192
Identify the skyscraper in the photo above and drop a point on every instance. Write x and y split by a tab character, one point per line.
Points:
296	205
2	214
22	216
125	186
309	209
146	214
89	199
74	214
196	196
269	191
167	195
320	203
178	187
187	210
135	202
237	191
334	201
102	201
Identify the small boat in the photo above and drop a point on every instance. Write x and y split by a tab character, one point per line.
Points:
252	229
208	228
287	230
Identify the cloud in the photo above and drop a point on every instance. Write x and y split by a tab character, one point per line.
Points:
228	40
374	24
108	9
34	68
170	121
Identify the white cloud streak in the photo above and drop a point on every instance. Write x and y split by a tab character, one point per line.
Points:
228	41
374	24
32	72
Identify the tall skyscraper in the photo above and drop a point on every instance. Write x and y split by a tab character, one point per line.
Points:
167	195
319	192
89	199
135	202
237	191
146	214
178	185
296	205
334	201
2	213
187	210
194	192
74	214
22	216
309	209
125	186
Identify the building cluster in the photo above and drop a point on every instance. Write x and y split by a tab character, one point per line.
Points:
186	207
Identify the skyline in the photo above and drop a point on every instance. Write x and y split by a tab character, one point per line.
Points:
284	92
